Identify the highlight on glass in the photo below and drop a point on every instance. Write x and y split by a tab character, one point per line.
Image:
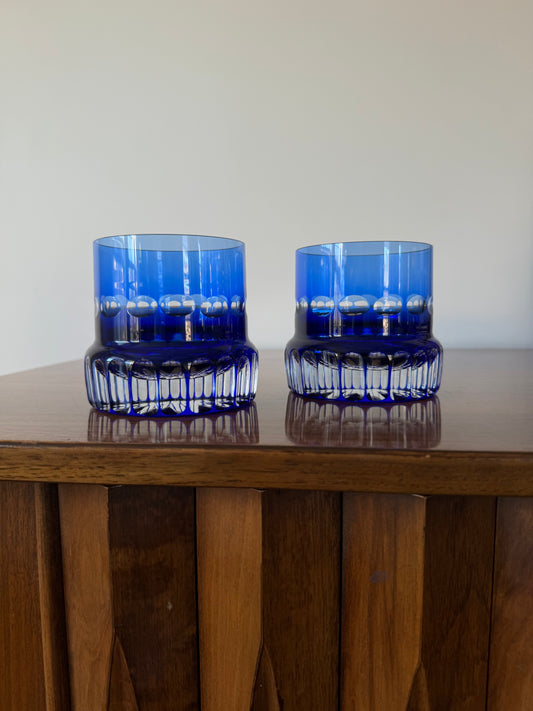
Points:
170	325
363	326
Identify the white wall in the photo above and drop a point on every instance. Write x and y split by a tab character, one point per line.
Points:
281	123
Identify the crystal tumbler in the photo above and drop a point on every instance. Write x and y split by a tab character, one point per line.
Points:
170	326
363	323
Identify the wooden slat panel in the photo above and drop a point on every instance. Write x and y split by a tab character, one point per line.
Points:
265	691
32	631
87	580
52	605
153	572
458	568
301	590
383	557
419	697
511	657
121	691
416	602
229	596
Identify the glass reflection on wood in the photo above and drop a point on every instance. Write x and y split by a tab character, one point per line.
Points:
230	427
406	425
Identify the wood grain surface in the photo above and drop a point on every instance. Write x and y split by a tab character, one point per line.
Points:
88	593
439	473
121	692
33	660
229	540
408	492
411	623
51	596
301	592
382	599
478	411
417	576
511	657
153	576
449	445
130	588
266	697
458	567
268	590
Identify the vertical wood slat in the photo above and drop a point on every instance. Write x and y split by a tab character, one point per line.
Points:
153	574
511	656
458	568
383	576
457	546
301	595
88	596
32	626
52	605
121	691
229	542
129	559
266	697
416	632
268	595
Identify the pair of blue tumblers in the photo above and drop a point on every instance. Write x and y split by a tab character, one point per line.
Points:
171	338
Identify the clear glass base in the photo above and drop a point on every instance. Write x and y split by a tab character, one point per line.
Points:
359	370
170	382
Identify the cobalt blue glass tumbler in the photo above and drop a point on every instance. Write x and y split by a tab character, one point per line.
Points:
363	323
170	326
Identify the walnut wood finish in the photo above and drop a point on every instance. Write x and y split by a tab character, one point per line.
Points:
88	595
229	596
301	592
130	588
266	697
32	627
458	565
121	691
416	602
291	555
268	589
476	439
511	659
326	470
153	574
383	580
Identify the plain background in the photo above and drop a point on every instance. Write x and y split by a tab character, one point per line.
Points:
280	123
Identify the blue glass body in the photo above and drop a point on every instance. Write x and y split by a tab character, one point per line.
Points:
170	308
169	289
364	318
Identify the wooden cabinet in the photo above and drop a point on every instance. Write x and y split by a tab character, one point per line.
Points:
294	556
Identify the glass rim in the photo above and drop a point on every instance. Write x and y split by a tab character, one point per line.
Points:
213	242
410	247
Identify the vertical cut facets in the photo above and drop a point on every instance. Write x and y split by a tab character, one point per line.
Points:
371	377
